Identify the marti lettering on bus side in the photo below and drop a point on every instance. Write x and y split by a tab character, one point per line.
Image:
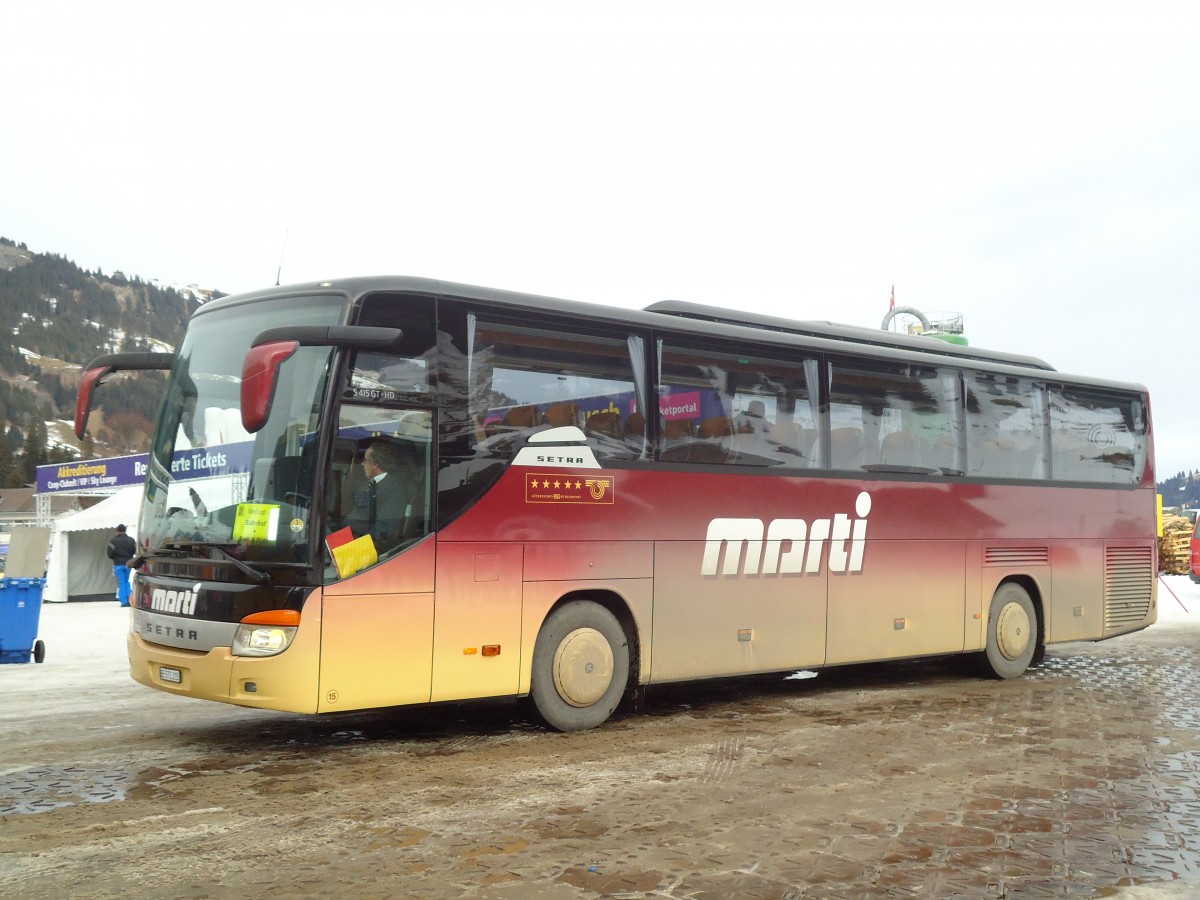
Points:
797	534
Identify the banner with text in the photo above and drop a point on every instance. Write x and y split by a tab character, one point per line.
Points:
122	471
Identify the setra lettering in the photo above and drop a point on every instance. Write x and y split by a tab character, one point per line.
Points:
169	631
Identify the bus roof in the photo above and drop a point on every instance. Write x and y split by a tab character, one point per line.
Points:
699	319
834	331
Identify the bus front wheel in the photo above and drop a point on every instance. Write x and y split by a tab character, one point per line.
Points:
580	666
1012	635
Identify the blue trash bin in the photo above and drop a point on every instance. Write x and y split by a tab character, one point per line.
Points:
20	606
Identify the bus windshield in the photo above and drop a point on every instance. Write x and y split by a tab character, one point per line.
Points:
210	481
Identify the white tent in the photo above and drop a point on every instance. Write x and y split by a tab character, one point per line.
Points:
78	568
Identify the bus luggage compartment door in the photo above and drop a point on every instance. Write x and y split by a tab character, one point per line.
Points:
907	601
477	621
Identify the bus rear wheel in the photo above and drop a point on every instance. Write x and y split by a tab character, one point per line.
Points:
580	666
1012	635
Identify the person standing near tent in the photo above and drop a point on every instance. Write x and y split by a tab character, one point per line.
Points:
121	549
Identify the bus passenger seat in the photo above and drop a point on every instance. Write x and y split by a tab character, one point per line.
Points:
515	419
785	437
1028	451
716	427
283	480
676	430
340	467
788	444
846	449
354	483
561	414
941	454
900	449
521	417
996	458
635	432
635	426
607	424
808	445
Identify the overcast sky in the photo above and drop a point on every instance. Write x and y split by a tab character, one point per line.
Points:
1034	166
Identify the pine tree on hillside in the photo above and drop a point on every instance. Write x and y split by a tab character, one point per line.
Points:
53	308
33	454
7	470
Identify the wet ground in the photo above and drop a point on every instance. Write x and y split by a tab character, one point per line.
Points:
908	780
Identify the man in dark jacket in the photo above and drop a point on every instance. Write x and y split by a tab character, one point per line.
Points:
380	508
121	549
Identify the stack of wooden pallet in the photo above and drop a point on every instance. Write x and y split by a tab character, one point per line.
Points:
1175	550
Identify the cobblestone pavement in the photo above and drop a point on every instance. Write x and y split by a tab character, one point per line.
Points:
907	780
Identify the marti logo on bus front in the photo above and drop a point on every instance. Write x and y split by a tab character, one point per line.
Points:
731	534
176	601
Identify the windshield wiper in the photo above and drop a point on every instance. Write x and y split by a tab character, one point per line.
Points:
151	555
257	575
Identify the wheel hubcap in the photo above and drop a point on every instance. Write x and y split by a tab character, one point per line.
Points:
1013	631
583	667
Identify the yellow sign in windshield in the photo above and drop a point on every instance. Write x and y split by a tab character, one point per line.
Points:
256	523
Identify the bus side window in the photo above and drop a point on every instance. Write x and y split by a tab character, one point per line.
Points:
736	407
525	379
893	417
397	511
1096	438
1004	427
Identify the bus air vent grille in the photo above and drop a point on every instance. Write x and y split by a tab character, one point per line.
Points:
1128	585
1016	556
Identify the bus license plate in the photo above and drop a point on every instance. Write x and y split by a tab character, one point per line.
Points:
174	676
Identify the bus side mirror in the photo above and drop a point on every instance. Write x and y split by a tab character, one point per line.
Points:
260	375
273	347
100	368
83	401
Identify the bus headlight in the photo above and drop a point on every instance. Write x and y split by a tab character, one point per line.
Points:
265	633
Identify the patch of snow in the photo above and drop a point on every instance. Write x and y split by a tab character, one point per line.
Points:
192	291
61	434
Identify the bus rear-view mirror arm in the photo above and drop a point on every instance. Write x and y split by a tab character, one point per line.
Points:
97	371
271	348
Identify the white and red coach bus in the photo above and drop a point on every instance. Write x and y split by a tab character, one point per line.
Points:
596	499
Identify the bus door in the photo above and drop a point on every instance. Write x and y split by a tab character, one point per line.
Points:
380	553
377	612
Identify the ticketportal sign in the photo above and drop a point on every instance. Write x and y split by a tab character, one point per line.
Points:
123	471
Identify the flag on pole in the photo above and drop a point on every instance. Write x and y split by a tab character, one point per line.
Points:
892	302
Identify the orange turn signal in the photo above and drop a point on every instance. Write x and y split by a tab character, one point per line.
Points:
285	618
